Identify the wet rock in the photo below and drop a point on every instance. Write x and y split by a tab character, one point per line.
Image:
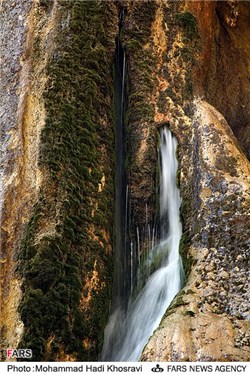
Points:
222	299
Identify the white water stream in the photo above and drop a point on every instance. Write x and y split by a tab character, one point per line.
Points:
127	333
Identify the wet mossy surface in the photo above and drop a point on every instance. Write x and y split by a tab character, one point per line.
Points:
189	24
177	302
185	57
187	260
136	38
65	258
175	100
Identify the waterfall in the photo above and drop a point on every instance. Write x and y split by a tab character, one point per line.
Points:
127	333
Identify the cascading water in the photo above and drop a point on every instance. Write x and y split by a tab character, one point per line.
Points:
127	333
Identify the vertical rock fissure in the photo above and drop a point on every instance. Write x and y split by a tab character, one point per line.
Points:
161	270
120	287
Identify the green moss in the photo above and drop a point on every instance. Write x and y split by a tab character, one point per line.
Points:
188	22
187	260
75	151
143	16
177	302
178	175
190	291
132	45
139	114
187	53
188	89
45	3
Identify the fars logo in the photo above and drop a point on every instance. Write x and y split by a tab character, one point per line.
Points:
19	353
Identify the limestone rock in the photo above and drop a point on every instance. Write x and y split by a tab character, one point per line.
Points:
208	320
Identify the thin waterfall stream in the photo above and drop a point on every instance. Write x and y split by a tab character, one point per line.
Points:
159	272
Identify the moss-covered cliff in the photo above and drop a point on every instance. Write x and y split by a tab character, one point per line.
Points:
214	181
65	256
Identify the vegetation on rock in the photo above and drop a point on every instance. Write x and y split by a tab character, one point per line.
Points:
140	125
65	257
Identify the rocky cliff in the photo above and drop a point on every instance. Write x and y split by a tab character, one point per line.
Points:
187	66
208	320
57	177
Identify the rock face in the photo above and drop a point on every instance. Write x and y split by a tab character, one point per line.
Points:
141	131
207	321
20	177
214	184
57	163
223	67
57	181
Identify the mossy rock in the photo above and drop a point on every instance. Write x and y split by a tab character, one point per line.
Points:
73	151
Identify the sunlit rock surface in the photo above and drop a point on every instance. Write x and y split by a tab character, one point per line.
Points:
21	121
